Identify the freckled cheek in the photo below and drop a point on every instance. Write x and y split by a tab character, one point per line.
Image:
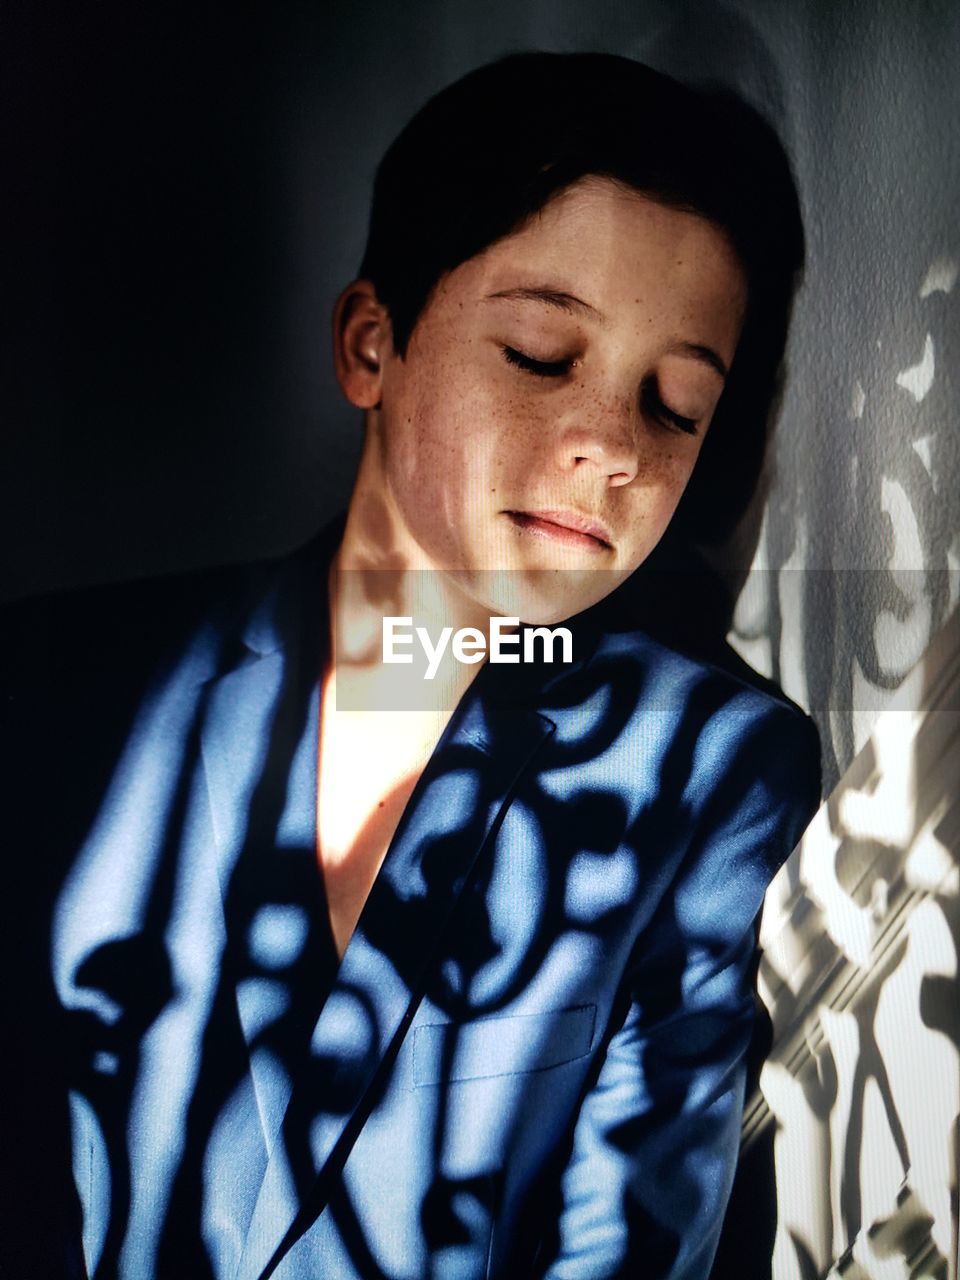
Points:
476	423
659	485
665	467
461	430
442	455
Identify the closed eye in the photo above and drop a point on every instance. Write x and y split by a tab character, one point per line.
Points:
652	402
543	368
660	412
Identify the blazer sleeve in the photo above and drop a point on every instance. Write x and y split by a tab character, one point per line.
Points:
655	1143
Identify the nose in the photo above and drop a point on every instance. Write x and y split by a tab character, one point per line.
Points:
603	440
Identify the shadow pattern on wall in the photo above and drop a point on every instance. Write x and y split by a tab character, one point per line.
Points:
861	936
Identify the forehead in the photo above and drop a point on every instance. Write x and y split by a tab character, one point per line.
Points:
632	259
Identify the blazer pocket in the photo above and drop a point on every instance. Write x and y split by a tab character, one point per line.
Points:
512	1044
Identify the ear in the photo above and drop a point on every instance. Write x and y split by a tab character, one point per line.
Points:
362	341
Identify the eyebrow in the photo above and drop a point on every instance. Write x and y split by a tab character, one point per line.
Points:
572	305
558	298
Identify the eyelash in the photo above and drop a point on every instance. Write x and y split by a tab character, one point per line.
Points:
657	409
557	368
542	368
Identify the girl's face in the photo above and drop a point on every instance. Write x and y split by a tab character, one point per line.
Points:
554	397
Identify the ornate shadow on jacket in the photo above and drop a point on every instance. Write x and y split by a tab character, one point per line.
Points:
531	1059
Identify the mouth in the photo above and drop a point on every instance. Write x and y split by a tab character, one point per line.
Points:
569	528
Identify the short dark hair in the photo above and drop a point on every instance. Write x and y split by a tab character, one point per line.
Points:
493	148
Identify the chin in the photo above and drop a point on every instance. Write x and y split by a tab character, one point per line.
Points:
544	597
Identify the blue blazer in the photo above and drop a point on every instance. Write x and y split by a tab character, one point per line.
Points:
530	1061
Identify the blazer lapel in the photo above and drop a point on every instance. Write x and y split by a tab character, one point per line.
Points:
447	821
258	745
264	829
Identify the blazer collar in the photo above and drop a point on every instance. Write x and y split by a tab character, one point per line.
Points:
259	750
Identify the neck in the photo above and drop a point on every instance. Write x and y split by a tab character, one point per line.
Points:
381	572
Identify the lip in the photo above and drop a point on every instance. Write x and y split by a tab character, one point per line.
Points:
569	527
